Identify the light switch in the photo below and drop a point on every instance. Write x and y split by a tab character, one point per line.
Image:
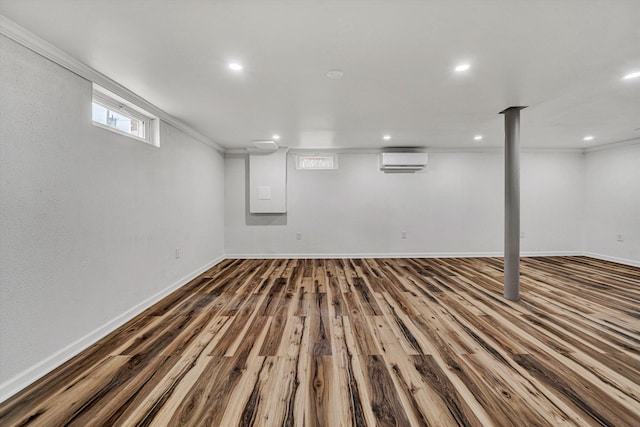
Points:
264	192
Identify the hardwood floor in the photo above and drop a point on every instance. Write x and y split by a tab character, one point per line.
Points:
363	342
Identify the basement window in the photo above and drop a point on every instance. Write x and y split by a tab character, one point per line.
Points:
316	161
111	112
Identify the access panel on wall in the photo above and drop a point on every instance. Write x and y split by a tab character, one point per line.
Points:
268	181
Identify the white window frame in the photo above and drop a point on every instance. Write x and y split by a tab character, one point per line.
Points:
117	104
300	158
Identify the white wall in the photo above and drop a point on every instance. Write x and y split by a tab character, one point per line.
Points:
268	182
551	202
612	203
453	207
89	220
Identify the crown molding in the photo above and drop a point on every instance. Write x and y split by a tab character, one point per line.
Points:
481	150
29	40
251	150
613	145
491	149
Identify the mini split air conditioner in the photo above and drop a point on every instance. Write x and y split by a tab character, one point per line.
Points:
402	162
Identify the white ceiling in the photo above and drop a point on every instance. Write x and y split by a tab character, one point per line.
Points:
564	59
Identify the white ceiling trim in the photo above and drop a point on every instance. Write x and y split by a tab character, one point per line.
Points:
29	40
492	149
619	144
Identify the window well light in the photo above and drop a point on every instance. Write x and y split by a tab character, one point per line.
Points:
463	67
386	137
235	66
276	136
632	75
588	138
478	137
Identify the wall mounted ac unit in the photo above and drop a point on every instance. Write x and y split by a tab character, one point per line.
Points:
402	162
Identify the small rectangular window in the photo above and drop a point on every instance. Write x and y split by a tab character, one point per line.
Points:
110	113
316	161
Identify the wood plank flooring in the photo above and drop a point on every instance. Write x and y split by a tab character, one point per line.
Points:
363	342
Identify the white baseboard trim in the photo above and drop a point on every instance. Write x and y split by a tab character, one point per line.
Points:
626	261
37	371
550	253
399	255
364	255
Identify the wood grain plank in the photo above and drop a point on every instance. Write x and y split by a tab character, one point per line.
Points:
363	342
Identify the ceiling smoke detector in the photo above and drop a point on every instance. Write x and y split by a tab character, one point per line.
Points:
335	74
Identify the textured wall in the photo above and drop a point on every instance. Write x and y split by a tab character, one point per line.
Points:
89	220
454	206
612	203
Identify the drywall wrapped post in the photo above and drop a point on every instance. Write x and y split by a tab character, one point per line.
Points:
512	203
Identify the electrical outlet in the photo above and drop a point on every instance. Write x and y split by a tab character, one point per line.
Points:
522	234
403	235
620	237
298	236
178	253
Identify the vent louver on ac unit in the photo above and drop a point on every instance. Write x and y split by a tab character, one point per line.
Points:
402	162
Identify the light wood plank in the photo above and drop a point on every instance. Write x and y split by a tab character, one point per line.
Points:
363	342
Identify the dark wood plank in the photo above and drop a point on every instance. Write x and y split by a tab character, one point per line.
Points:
363	342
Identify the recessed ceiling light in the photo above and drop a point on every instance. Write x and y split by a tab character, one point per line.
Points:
235	66
335	74
588	138
632	75
276	136
463	67
386	137
478	137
